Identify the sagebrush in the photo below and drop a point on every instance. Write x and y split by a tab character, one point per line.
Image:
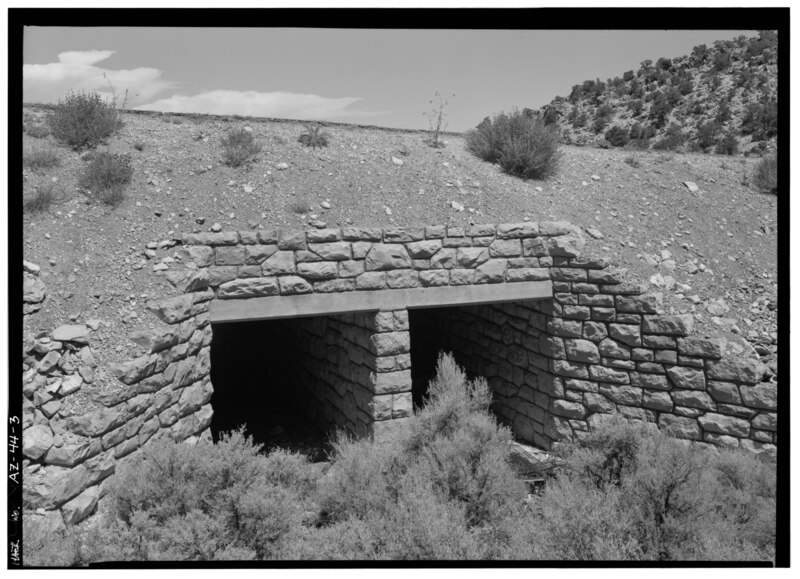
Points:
314	137
238	147
105	177
83	120
765	176
40	158
522	145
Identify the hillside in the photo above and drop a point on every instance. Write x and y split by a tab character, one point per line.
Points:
711	250
721	98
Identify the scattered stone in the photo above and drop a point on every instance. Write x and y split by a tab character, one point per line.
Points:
30	267
282	166
387	211
33	289
325	205
717	307
36	441
595	233
595	177
78	333
70	384
457	206
398	162
691	186
216	228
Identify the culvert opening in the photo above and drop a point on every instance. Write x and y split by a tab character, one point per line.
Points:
494	341
257	385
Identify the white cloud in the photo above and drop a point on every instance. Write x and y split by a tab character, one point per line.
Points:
76	71
262	104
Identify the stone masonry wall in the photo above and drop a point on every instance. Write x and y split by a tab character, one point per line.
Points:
597	347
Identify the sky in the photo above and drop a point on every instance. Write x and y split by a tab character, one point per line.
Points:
372	77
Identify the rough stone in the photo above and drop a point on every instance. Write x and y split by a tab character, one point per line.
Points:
722	424
172	310
36	441
582	351
77	333
693	399
626	333
279	263
690	378
33	289
383	257
763	396
680	325
681	427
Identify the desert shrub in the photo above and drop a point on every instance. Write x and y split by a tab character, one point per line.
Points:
314	137
550	116
604	111
580	120
238	146
83	120
106	177
628	490
761	120
139	146
765	176
633	161
198	502
707	134
38	158
660	109
727	145
617	136
635	106
599	124
522	146
628	76
723	112
37	131
300	206
673	138
42	198
172	120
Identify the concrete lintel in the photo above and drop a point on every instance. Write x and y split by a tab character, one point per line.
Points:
364	301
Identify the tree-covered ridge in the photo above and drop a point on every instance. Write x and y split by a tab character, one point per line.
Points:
720	99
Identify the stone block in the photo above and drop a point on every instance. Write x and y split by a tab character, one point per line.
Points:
403	234
659	342
406	278
579	350
248	288
279	263
598	403
334	251
172	310
604	374
627	334
613	349
424	249
445	258
462	276
725	392
371	281
319	270
335	286
535	247
384	257
402	405
564	328
722	424
505	248
362	233
434	278
390	382
390	343
608	275
291	240
492	271
701	347
680	325
766	421
748	370
292	285
567	274
351	268
656	400
256	254
693	399
651	381
604	314
77	509
517	230
689	378
528	274
644	304
208	238
568	409
565	245
233	255
763	396
200	255
601	300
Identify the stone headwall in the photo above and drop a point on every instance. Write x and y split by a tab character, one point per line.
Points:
597	346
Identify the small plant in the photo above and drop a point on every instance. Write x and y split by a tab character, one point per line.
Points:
301	206
42	199
139	146
238	146
765	176
37	159
314	136
171	120
522	146
633	161
727	145
436	121
617	136
106	177
83	120
37	131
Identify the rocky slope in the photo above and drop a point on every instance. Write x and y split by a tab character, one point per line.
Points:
721	98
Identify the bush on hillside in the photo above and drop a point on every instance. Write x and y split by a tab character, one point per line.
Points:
707	134
42	198
765	176
314	137
761	120
617	136
37	131
39	158
522	146
727	145
629	491
106	176
83	120
238	147
673	139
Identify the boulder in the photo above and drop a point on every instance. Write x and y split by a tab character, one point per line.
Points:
78	333
81	506
33	289
36	441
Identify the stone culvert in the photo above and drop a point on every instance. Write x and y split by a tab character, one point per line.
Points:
345	324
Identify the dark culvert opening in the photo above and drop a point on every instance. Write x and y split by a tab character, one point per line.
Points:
491	341
255	370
